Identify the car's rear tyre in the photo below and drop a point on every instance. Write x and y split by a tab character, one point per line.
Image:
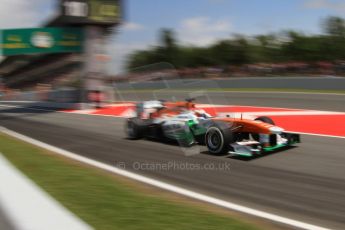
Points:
135	128
218	139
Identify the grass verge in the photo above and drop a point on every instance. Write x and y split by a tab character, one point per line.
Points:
107	202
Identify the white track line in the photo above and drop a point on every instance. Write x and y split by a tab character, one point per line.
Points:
166	186
84	111
284	113
28	207
48	110
317	135
269	107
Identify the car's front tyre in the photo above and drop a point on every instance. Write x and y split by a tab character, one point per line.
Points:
218	139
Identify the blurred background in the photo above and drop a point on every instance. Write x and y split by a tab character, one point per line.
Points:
71	71
200	39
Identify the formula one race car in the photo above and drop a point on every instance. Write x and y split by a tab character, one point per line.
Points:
185	123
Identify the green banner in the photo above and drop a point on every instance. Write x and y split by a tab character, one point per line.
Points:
41	40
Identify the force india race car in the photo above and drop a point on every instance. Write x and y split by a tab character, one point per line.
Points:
188	125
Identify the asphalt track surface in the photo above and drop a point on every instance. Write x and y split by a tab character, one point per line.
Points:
305	183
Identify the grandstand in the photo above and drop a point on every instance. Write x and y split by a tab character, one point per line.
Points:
27	72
